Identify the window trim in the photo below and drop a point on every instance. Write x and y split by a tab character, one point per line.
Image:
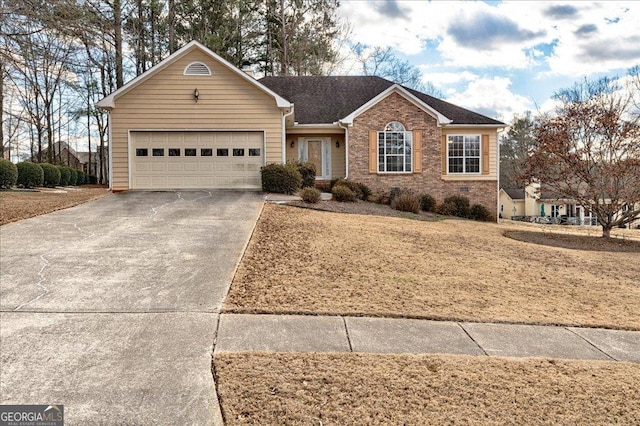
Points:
464	154
407	136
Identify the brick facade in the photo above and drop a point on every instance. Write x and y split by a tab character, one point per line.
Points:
396	108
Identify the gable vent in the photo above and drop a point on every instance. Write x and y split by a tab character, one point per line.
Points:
197	68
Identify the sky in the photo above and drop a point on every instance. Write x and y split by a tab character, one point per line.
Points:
502	58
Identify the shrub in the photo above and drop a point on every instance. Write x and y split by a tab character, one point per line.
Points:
366	191
280	178
51	175
308	172
480	212
406	201
427	203
353	186
8	173
65	175
30	174
92	180
460	205
81	178
73	176
310	194
343	193
448	208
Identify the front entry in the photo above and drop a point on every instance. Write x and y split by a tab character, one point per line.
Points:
318	152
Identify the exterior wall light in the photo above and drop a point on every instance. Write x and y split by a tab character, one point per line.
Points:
293	143
196	94
337	144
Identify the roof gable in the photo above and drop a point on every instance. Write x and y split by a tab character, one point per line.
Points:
109	101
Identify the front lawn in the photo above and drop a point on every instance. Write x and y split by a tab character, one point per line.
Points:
312	262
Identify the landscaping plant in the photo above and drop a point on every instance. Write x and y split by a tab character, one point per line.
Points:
8	173
65	175
307	171
406	201
30	174
427	203
310	195
281	178
343	193
51	175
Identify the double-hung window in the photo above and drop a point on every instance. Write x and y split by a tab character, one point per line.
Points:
395	146
463	153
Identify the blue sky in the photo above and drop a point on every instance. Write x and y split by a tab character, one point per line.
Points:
502	58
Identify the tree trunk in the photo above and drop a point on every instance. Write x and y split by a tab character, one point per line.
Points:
606	231
285	59
171	25
117	28
2	107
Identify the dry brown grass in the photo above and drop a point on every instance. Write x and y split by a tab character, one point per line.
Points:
18	205
306	261
340	389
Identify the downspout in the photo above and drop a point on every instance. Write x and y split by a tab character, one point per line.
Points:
498	176
284	134
346	149
110	153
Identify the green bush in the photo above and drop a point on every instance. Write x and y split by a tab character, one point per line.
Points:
406	201
353	186
447	208
308	173
92	180
81	177
73	176
51	175
460	205
427	203
281	178
30	174
365	190
310	194
343	193
65	175
8	173
480	212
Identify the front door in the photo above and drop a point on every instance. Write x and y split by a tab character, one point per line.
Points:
318	152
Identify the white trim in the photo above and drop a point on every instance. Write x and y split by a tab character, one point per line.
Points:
396	88
465	173
485	126
346	150
325	125
197	75
284	134
109	101
110	177
385	155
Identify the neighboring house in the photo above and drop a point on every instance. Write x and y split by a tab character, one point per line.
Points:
91	168
196	121
512	202
6	152
64	155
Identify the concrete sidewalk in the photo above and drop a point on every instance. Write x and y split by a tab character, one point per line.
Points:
298	333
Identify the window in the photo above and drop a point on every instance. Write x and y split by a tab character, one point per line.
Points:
142	152
189	152
555	210
238	152
463	153
206	152
394	149
254	152
158	152
222	152
174	152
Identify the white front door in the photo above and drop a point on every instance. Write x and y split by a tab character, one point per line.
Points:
318	152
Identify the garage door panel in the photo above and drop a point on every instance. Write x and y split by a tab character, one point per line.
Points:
200	170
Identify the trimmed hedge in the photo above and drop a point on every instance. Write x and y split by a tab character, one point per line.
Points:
359	190
281	178
8	173
343	193
92	180
30	174
455	205
65	175
308	172
73	177
310	195
427	203
480	212
406	201
51	175
81	177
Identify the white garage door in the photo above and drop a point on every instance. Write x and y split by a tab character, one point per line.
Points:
183	160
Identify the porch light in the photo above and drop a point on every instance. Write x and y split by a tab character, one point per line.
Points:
196	94
337	144
293	143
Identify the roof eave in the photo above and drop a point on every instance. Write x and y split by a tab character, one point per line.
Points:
496	126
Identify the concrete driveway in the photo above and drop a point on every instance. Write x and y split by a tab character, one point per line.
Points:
110	308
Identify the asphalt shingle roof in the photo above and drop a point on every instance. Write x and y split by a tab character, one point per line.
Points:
325	100
515	193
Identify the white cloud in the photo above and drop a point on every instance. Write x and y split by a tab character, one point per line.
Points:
492	97
441	79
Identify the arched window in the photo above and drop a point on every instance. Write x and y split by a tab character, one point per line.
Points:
197	68
394	149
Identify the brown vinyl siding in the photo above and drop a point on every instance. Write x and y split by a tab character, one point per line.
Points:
165	101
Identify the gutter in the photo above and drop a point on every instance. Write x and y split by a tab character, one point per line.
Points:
284	133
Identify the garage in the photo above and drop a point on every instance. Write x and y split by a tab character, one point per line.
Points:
197	159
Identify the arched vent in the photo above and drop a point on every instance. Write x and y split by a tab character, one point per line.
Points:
197	68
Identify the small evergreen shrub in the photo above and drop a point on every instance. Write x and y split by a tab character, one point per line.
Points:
92	180
8	173
406	201
30	174
73	176
353	186
447	208
308	172
310	195
51	175
281	178
461	204
343	193
365	190
81	175
65	175
427	203
480	212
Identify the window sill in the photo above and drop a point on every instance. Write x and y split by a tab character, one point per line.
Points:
394	173
462	177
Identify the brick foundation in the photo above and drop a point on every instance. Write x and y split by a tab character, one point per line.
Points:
397	108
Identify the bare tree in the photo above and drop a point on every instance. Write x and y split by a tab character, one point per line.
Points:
514	149
590	151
